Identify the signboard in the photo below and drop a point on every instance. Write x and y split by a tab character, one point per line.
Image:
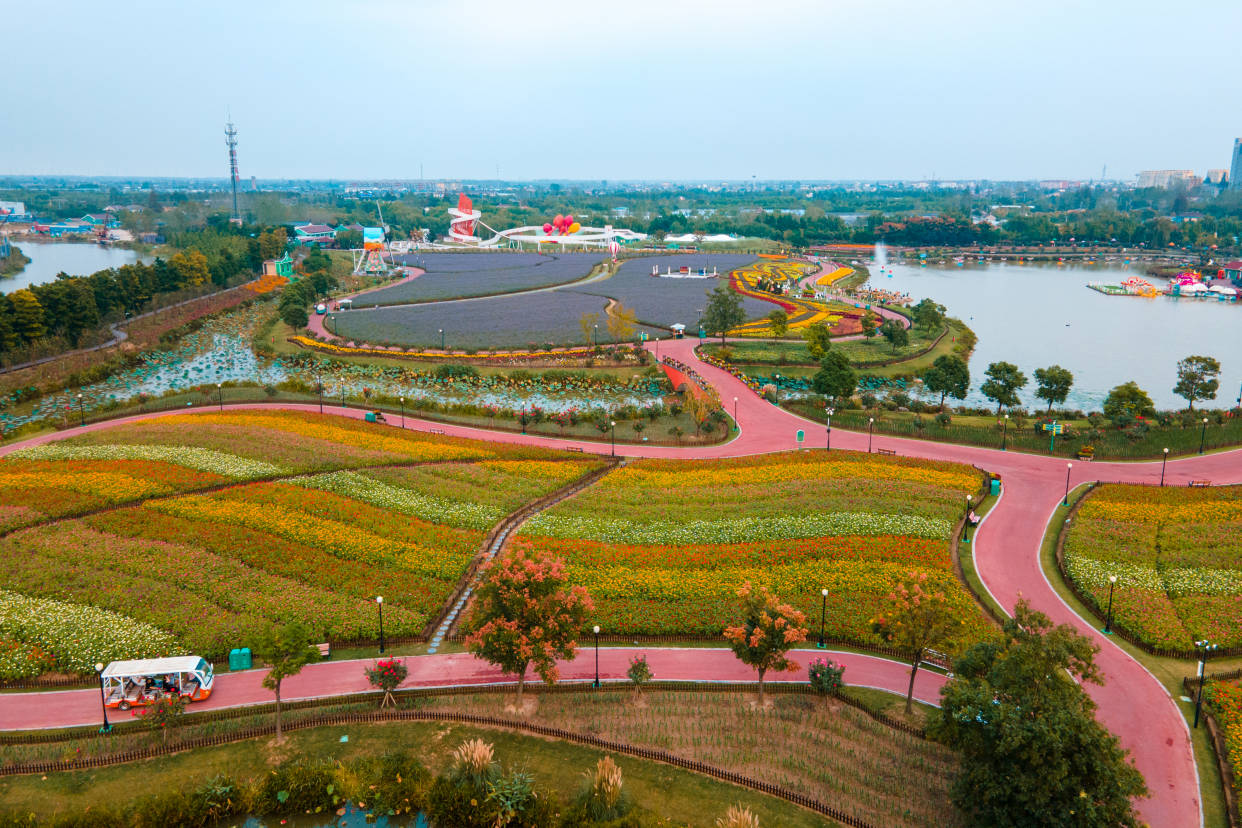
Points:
801	435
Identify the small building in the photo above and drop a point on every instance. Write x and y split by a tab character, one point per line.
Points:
320	235
1232	271
150	238
279	267
99	220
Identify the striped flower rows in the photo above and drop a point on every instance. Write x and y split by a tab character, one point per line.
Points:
406	501
1225	701
193	457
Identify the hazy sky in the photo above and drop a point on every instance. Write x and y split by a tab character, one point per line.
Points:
666	89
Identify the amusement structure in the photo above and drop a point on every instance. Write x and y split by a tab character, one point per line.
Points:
562	231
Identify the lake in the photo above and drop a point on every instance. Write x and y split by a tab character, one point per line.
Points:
1035	316
75	258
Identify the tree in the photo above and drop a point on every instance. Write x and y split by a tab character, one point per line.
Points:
191	268
1054	384
895	333
621	322
27	315
639	673
1002	384
163	714
835	378
1127	402
928	314
524	615
348	239
1197	379
868	325
818	340
386	675
294	315
286	649
778	321
589	322
1032	752
948	376
766	631
723	312
918	618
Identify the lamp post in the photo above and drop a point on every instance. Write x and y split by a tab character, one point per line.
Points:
966	529
403	412
735	425
828	428
596	630
1068	468
332	319
612	427
1108	618
1163	462
441	339
823	610
319	388
81	411
1005	433
1204	648
103	700
870	431
379	603
220	394
595	337
1203	435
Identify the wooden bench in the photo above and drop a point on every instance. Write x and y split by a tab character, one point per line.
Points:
888	452
325	650
1198	484
435	431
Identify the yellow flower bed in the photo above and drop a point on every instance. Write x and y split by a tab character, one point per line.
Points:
834	276
103	484
554	472
1218	511
787	471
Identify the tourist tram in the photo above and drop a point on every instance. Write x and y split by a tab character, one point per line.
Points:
142	681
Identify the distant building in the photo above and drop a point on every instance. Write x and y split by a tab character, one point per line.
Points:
1217	177
1235	170
1167	178
1233	272
320	235
279	267
14	211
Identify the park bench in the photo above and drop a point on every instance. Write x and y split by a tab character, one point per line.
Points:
1197	484
573	448
888	452
435	431
325	650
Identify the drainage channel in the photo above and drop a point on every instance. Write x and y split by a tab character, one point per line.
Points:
498	543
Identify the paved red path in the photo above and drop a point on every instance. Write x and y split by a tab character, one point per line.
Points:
1132	703
64	708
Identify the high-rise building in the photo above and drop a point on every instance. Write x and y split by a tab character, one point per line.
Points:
1235	169
1168	179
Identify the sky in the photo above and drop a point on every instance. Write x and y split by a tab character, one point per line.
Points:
640	89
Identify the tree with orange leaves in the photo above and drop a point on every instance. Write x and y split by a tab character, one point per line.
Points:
524	616
766	632
918	619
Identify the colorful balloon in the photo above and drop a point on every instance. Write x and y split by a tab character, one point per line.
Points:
547	228
575	227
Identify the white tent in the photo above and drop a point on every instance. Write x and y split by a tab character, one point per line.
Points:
1194	287
1227	291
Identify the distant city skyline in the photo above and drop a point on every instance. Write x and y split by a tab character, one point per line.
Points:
693	91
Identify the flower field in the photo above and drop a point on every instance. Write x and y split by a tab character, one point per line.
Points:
1177	556
662	545
842	319
1225	701
201	556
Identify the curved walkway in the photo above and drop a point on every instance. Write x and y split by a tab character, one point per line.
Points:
1132	702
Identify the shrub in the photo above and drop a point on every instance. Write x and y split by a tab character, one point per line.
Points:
737	817
603	794
299	785
825	676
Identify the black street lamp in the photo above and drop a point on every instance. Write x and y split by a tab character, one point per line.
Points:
612	426
1068	468
319	388
595	337
103	700
441	339
1108	619
596	685
870	431
332	319
342	396
1005	433
735	425
1163	462
823	611
1203	435
379	603
828	411
403	412
966	530
81	411
1204	649
220	394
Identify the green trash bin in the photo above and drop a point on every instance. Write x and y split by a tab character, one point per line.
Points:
995	486
240	659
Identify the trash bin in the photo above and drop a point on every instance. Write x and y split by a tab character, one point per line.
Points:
995	486
239	659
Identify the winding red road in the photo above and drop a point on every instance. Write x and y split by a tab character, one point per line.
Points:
1132	703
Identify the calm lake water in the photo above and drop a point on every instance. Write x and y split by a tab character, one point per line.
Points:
1036	316
75	258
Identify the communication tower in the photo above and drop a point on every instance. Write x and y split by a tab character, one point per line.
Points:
230	139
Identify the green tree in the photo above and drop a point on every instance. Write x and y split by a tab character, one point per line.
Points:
1126	402
524	615
294	315
948	376
190	267
868	325
589	322
349	239
895	333
723	312
1197	379
835	378
621	322
1032	752
285	649
1054	384
928	314
766	632
818	340
1002	384
778	321
28	320
917	618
